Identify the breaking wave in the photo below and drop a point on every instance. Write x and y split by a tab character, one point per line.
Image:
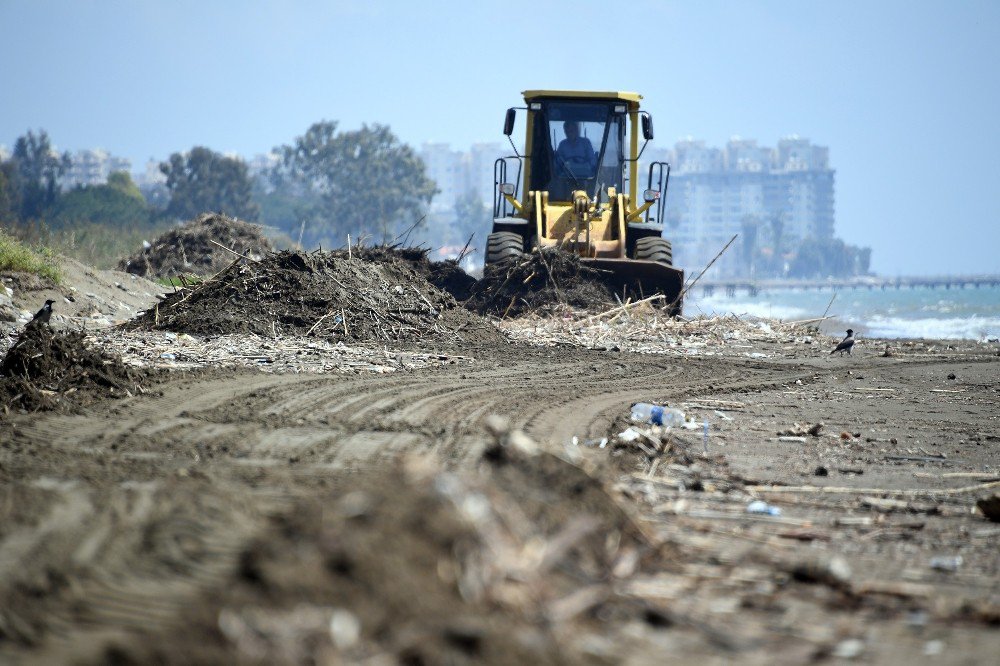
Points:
945	328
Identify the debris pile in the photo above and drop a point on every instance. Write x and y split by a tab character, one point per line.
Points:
643	328
507	565
323	294
44	370
540	281
198	247
445	275
175	351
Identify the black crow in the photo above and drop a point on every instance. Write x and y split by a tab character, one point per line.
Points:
846	344
43	315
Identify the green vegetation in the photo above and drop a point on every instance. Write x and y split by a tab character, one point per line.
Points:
358	182
18	256
329	184
118	203
203	180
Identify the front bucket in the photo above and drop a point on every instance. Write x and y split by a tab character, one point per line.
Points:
641	279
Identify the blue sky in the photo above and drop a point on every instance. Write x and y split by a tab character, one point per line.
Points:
905	94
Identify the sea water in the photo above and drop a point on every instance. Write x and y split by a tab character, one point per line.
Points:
968	313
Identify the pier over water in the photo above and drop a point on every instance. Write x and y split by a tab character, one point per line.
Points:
753	287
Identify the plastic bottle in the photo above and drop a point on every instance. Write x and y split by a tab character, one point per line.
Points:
647	413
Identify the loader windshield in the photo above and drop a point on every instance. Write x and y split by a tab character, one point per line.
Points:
577	146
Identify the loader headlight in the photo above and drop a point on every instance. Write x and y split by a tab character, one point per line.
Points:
507	188
649	196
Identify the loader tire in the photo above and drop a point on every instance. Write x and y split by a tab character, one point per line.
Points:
503	244
655	249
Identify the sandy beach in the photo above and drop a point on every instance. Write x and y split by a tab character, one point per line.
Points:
282	510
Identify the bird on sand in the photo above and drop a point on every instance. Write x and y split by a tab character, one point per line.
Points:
43	315
847	344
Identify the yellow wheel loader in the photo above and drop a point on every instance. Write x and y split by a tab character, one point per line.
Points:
579	179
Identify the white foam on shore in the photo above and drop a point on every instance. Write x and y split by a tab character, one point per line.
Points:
945	328
716	305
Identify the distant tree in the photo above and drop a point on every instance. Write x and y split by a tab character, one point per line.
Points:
119	204
750	227
38	168
283	206
203	180
472	216
10	203
823	257
362	181
864	260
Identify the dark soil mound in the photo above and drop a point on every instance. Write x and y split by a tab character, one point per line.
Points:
189	248
445	275
320	293
422	566
44	370
539	281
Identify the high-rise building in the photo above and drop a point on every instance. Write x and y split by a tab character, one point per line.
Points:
445	168
92	167
784	193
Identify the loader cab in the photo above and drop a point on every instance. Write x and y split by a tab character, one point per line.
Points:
576	145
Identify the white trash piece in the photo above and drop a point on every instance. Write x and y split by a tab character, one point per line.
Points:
763	508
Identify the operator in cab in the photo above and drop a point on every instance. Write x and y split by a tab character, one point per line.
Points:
576	151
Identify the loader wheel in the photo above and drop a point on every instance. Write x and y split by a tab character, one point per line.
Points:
655	249
503	244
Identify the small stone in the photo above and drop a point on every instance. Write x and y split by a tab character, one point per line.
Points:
849	649
951	375
345	629
822	471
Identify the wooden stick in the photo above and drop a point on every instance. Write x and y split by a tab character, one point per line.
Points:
318	321
624	307
225	248
197	287
833	490
465	249
810	321
828	305
694	281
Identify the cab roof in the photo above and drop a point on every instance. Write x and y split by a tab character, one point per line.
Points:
583	94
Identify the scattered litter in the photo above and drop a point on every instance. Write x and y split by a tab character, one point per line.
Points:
763	508
723	415
283	354
787	438
599	443
952	563
629	435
